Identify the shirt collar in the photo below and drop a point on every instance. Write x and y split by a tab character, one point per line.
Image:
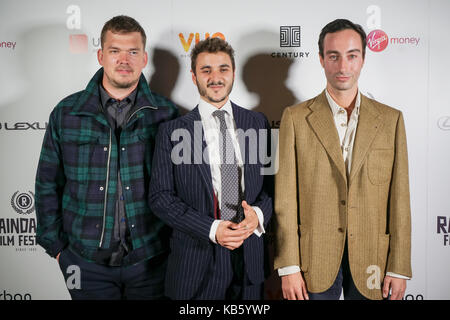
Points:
206	109
335	107
106	98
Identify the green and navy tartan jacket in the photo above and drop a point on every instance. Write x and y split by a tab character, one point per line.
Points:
76	178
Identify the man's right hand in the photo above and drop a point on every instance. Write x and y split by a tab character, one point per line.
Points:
229	238
294	287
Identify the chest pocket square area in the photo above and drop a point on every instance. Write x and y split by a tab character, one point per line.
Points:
380	164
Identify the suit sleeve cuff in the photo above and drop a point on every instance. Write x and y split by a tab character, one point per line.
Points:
396	275
288	270
260	228
213	230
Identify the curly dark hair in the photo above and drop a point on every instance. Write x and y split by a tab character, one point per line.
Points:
211	45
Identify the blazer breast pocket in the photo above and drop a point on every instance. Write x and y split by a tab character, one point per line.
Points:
379	166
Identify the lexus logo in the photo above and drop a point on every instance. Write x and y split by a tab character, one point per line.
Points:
444	123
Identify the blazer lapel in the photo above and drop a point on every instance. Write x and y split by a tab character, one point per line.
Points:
243	122
369	123
321	122
195	128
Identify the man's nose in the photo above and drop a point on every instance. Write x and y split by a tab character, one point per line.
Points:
214	75
217	77
123	57
343	65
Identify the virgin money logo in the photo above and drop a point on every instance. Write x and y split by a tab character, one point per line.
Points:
377	40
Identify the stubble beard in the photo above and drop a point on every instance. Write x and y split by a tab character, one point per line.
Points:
203	92
122	84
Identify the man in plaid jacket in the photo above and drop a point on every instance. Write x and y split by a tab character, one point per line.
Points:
94	171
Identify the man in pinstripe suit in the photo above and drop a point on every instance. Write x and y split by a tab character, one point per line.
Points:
214	255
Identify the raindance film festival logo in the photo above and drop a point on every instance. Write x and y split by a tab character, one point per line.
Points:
443	227
23	203
20	232
290	37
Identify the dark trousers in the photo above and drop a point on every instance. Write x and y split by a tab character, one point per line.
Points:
91	281
344	281
240	287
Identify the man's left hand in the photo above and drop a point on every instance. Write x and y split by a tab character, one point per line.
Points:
397	286
250	222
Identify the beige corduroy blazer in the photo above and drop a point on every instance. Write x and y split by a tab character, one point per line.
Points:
318	205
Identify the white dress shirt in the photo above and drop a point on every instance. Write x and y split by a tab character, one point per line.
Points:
346	129
211	129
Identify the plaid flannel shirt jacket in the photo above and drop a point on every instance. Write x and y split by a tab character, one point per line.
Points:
76	178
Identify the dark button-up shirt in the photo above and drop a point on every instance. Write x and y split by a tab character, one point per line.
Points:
117	113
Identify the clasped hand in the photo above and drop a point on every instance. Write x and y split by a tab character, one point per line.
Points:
232	235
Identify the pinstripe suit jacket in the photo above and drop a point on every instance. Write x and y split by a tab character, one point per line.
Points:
182	195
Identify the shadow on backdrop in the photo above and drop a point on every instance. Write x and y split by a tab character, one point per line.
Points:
165	75
266	77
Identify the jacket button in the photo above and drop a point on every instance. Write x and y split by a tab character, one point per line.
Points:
340	230
105	149
343	202
127	187
101	188
97	226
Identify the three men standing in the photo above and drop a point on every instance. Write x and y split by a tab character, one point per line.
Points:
342	191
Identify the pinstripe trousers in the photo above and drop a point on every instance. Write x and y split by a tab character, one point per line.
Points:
229	280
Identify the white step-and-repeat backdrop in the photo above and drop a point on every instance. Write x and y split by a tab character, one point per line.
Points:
48	51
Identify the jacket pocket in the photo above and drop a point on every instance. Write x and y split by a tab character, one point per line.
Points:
380	164
80	153
304	248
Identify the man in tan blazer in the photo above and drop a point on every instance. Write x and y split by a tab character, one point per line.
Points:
342	190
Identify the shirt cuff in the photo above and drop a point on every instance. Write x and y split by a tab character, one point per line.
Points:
260	228
288	270
396	275
213	230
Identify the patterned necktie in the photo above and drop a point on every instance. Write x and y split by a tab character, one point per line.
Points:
231	208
